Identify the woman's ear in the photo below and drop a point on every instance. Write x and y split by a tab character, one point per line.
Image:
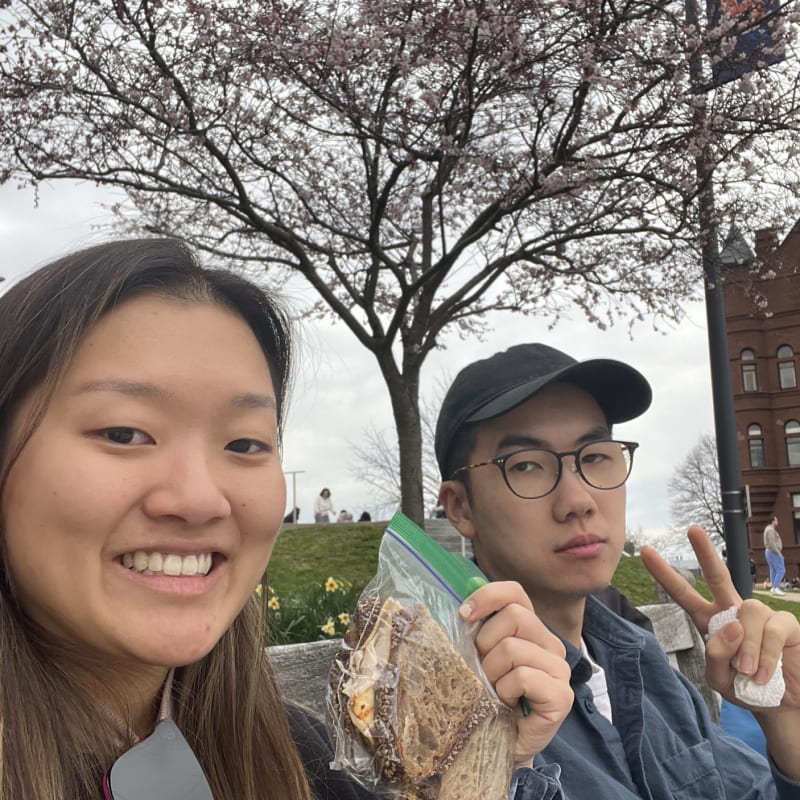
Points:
454	499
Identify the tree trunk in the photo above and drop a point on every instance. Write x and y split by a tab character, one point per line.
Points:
404	394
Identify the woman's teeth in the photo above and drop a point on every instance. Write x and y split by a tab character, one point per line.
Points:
170	564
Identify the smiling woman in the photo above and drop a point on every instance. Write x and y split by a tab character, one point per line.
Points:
141	492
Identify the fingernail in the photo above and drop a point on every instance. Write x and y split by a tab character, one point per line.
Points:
466	609
746	664
761	675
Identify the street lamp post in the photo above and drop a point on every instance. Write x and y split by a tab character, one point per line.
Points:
733	517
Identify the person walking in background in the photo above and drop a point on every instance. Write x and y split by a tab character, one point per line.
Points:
323	506
773	549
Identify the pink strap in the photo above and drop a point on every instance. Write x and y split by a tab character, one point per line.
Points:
165	709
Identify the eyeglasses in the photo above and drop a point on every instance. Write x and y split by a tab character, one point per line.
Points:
534	473
162	765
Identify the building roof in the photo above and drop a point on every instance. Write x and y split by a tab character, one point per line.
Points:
736	251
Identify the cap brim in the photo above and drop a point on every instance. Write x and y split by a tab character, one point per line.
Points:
621	391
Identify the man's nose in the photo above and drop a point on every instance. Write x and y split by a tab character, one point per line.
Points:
572	495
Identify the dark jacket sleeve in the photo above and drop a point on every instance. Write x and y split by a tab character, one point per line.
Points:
316	751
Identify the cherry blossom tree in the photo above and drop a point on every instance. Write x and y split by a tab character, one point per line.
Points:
418	163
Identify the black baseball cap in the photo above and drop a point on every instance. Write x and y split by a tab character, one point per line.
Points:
492	386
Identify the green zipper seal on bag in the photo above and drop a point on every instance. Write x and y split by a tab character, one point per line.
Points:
460	575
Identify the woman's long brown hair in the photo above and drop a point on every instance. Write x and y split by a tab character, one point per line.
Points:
59	715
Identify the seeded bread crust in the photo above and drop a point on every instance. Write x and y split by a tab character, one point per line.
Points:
428	704
481	771
483	768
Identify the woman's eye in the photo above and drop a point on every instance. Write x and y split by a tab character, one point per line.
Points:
247	446
126	436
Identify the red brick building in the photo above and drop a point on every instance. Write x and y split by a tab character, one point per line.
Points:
762	309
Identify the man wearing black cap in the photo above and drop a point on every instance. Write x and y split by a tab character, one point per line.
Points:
535	479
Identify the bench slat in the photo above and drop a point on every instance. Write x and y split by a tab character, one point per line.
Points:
301	671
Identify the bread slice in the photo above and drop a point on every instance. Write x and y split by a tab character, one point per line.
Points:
482	770
404	695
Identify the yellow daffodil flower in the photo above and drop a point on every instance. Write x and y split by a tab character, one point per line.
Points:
328	628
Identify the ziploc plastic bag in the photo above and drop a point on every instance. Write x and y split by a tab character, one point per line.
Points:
413	716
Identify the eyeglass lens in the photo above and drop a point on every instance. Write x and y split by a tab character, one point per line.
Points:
534	473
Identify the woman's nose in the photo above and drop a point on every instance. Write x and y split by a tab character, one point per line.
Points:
187	486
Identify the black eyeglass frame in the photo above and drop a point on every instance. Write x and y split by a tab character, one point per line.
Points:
500	463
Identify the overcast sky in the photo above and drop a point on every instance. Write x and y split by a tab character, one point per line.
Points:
339	391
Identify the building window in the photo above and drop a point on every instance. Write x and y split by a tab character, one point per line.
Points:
787	377
792	431
796	516
749	373
755	444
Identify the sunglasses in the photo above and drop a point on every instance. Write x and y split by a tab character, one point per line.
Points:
161	766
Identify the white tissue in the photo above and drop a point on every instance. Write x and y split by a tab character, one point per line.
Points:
766	695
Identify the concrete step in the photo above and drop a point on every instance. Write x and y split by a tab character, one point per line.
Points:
442	532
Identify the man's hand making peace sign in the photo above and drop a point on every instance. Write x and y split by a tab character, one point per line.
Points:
750	645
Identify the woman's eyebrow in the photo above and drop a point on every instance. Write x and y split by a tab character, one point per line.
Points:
254	401
146	389
130	388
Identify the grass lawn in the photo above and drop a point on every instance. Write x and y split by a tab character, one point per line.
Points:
307	555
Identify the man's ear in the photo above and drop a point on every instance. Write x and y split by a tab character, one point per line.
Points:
455	501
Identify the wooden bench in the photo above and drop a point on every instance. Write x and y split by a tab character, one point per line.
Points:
302	669
684	647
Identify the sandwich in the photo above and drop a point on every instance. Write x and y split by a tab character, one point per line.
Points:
409	716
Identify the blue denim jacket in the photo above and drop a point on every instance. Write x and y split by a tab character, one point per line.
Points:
662	745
